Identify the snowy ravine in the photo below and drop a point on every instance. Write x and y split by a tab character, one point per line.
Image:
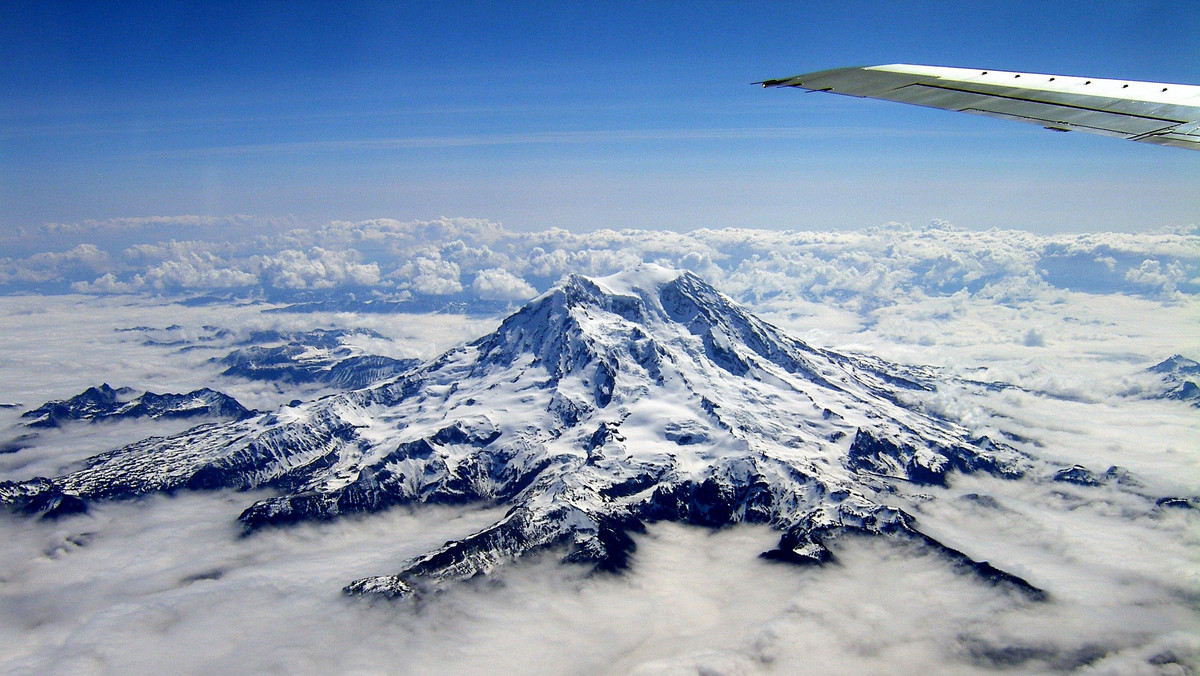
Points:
599	406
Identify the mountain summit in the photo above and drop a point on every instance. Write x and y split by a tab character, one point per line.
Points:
599	406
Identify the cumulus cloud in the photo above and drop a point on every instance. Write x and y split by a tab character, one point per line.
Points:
431	276
560	260
196	270
107	284
316	269
499	284
1155	275
52	266
701	263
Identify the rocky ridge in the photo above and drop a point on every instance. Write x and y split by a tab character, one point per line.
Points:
104	403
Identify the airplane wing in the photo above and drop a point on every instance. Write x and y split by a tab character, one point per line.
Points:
1150	112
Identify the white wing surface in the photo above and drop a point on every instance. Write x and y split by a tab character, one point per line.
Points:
1150	112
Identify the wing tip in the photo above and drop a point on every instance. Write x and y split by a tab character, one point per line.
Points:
800	80
779	82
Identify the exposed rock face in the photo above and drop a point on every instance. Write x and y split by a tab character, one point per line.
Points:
599	406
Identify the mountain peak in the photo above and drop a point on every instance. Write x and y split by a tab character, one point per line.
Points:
638	280
645	283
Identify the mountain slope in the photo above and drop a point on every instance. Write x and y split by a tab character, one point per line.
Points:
599	406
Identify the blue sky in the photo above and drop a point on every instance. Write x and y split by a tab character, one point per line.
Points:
576	115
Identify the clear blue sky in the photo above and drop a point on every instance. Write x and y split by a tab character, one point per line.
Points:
578	115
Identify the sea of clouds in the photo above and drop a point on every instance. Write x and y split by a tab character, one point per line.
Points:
480	260
1069	322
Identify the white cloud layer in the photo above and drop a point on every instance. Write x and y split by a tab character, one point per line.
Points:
167	578
862	270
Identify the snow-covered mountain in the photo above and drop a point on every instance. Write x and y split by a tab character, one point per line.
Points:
599	406
1180	376
315	357
105	402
